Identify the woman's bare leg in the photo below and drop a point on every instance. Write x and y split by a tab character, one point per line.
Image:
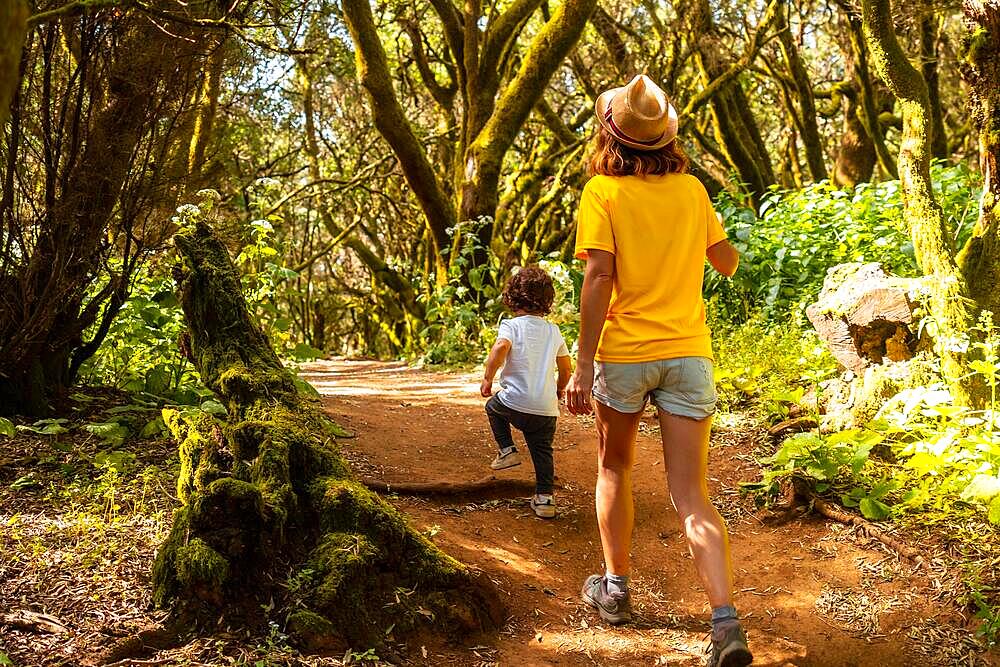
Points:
685	451
615	455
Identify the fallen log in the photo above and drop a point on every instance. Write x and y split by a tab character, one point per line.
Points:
864	315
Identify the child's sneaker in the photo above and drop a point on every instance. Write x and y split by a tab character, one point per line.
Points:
544	507
506	459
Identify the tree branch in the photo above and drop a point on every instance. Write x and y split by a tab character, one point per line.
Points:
544	56
757	41
392	124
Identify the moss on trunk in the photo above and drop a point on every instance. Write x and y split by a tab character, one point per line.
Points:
266	496
953	313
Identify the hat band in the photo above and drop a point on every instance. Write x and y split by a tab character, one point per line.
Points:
618	131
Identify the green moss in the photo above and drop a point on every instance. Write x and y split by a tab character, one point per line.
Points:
198	565
310	631
227	503
165	585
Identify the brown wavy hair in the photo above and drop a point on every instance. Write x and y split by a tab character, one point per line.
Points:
529	290
613	158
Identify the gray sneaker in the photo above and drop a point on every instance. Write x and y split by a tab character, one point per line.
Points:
544	508
615	608
506	460
730	650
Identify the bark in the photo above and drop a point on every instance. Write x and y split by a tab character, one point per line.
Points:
809	128
492	115
208	105
980	258
951	309
13	27
267	493
929	68
484	156
621	58
735	127
869	107
856	156
864	316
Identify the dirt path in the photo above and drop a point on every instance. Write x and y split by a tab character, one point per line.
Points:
420	426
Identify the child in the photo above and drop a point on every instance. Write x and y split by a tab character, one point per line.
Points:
530	349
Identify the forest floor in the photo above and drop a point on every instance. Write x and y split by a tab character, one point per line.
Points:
811	592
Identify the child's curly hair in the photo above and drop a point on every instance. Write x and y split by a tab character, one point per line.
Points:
529	290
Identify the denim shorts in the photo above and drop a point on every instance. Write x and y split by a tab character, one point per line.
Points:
683	386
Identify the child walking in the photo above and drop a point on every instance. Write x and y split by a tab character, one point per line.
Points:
531	350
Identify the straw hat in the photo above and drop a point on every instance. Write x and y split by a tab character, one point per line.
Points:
638	114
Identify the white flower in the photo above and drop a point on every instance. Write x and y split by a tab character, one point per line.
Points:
210	194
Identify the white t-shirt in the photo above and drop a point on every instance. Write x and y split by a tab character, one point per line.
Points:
528	380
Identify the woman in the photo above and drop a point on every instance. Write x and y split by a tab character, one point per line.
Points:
645	228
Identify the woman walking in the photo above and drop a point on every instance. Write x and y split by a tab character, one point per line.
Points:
645	228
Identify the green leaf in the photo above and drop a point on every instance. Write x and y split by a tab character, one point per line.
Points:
4	660
213	407
873	509
7	428
25	482
982	488
305	388
153	428
112	433
304	352
994	512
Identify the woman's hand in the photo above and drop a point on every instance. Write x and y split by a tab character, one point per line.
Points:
579	389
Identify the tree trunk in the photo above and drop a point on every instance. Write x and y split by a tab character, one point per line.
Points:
929	69
13	27
45	304
735	127
869	107
980	258
267	494
856	157
951	309
807	105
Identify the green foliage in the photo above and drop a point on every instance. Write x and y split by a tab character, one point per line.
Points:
458	312
767	365
787	247
7	427
140	353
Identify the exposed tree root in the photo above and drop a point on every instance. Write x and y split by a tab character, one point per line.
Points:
487	486
798	497
133	649
833	512
33	622
270	507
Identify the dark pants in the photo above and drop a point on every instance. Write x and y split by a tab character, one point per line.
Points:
538	430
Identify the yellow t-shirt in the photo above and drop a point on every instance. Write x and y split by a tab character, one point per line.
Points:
658	228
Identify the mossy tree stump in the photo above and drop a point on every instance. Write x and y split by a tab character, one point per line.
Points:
267	499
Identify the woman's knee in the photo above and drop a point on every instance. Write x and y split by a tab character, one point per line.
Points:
690	499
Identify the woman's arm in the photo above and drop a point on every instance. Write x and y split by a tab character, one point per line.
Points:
724	258
498	355
595	296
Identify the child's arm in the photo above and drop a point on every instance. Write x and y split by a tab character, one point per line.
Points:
565	366
724	258
498	355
